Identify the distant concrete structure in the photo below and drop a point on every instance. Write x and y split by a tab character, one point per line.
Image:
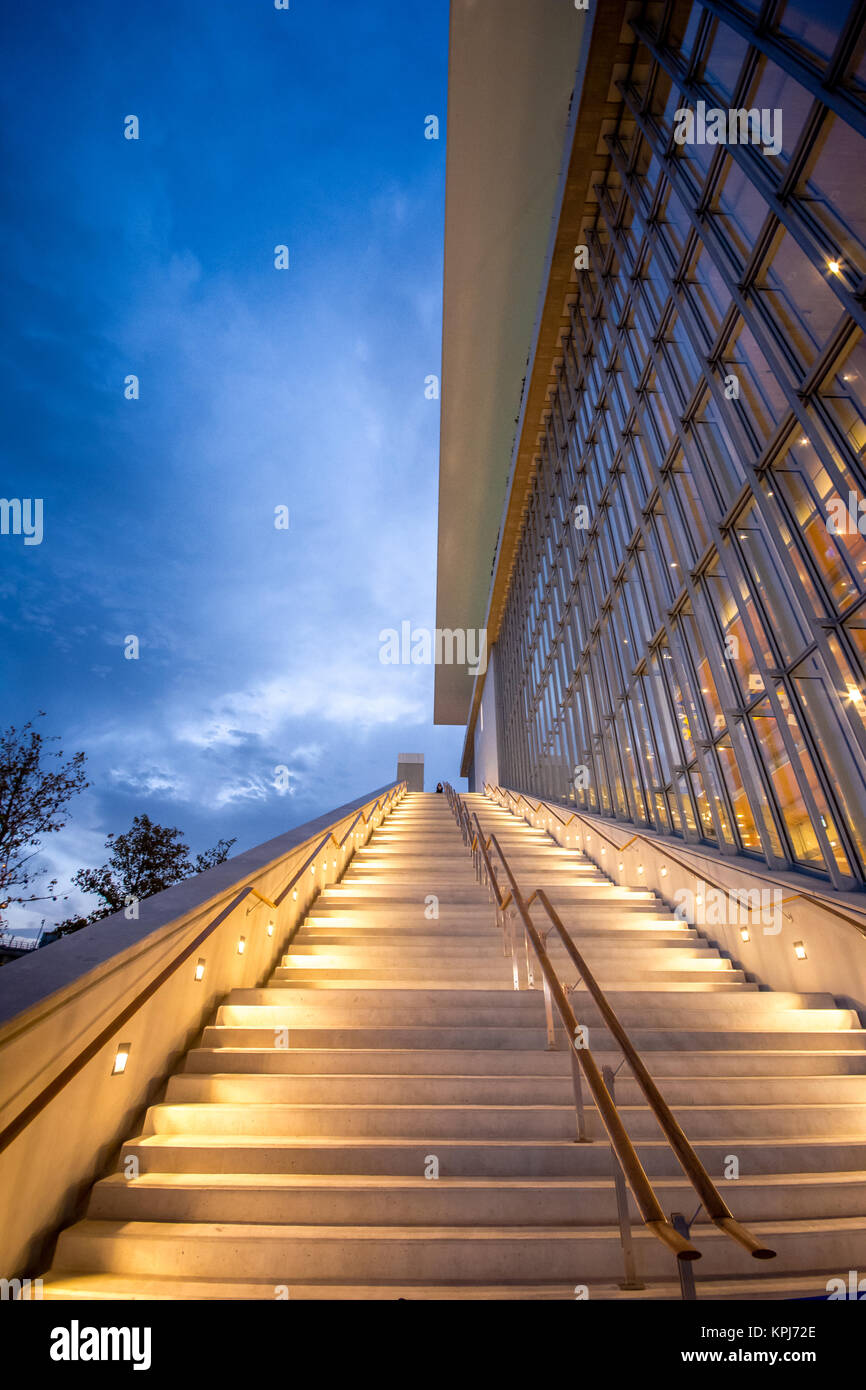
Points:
410	769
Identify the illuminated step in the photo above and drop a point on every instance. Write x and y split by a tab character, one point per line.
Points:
501	1254
490	1202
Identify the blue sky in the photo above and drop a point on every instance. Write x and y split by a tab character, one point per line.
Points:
259	388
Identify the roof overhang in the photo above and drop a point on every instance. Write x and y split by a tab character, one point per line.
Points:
604	62
511	76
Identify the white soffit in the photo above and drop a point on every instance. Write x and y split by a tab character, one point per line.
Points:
512	67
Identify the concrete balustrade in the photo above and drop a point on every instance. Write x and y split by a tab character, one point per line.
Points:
835	950
55	1004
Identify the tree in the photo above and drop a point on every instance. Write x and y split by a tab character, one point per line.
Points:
34	795
148	858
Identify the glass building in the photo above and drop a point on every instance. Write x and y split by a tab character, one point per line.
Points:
678	603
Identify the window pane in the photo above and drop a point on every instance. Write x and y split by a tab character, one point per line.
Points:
830	195
721	67
798	299
747	830
844	397
761	398
828	823
775	755
823	714
774	90
777	599
813	30
710	298
739	210
817	506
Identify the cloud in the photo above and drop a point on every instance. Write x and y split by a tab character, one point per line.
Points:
344	695
63	854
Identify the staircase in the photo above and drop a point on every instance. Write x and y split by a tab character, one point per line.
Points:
383	1119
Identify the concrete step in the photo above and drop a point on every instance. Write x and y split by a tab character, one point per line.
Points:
612	978
304	1200
735	1008
261	1032
470	891
408	1062
62	1286
480	1158
347	948
501	1089
515	1121
363	930
499	1255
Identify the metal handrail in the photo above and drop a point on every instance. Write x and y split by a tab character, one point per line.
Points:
648	1204
712	1200
815	899
34	1107
329	835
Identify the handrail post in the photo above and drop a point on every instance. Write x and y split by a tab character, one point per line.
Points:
530	973
511	924
631	1280
686	1273
548	1014
500	922
577	1087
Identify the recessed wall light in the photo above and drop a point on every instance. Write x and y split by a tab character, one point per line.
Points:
121	1057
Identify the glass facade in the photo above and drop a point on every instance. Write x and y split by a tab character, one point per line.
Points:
684	641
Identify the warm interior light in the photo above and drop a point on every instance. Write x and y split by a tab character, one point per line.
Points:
834	267
295	895
663	872
799	950
199	969
270	928
745	934
242	945
121	1057
640	868
621	867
